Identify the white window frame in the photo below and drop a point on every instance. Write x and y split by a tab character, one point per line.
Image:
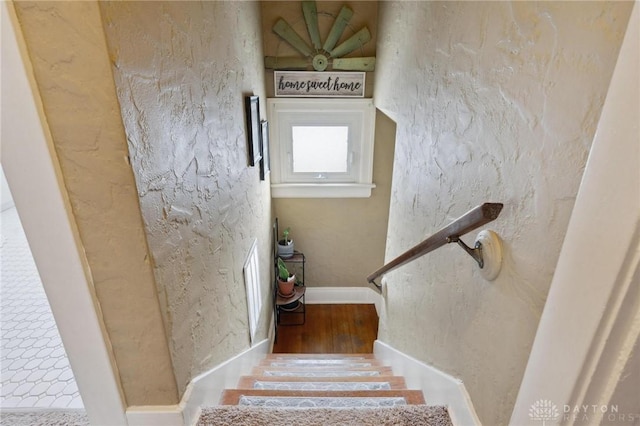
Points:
357	114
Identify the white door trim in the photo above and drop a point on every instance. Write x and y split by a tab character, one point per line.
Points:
579	353
32	170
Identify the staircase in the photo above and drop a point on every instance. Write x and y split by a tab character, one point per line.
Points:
322	389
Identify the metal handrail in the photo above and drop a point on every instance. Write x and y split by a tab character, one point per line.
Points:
471	220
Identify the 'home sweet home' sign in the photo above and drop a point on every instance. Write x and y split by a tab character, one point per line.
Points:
319	84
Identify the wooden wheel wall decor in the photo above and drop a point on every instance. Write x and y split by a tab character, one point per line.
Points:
321	56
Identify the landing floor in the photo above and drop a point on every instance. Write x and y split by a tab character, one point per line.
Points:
331	329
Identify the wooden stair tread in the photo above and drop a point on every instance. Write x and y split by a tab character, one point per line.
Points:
396	382
232	396
382	370
321	356
321	363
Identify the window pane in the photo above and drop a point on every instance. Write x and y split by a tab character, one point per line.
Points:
320	149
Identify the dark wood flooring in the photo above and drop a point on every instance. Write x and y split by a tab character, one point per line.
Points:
330	329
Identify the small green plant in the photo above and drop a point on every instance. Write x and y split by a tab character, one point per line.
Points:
285	237
283	272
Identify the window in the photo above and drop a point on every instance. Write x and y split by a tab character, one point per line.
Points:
321	147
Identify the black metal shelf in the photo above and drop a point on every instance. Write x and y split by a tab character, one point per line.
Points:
294	305
286	308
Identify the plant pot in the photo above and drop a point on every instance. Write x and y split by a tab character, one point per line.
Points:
287	288
285	251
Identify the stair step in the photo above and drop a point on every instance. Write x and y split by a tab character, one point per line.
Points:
321	371
329	386
286	389
414	415
394	382
318	363
319	356
292	398
318	402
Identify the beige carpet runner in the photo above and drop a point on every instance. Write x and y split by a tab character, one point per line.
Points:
323	389
409	415
43	417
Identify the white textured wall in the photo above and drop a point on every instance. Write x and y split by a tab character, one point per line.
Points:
589	332
182	69
67	49
494	101
625	393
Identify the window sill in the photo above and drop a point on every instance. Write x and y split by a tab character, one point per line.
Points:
322	190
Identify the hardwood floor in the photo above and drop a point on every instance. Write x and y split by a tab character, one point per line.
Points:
331	329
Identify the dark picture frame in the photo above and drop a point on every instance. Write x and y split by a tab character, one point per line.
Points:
252	111
264	149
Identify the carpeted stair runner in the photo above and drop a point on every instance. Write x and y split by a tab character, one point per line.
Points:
43	417
409	415
323	389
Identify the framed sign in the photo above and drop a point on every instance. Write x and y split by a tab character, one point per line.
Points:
327	84
252	111
264	161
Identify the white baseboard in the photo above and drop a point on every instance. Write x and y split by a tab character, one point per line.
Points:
158	415
343	295
207	388
438	388
203	390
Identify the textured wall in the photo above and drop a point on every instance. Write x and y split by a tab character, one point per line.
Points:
625	394
493	101
68	51
182	69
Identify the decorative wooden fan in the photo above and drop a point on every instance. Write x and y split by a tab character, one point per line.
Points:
321	56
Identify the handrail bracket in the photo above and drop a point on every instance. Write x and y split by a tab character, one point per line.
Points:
378	287
475	252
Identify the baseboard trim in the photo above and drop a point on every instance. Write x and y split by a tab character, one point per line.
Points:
204	389
159	415
343	295
438	388
207	388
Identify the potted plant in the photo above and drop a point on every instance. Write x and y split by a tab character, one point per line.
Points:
286	280
285	245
